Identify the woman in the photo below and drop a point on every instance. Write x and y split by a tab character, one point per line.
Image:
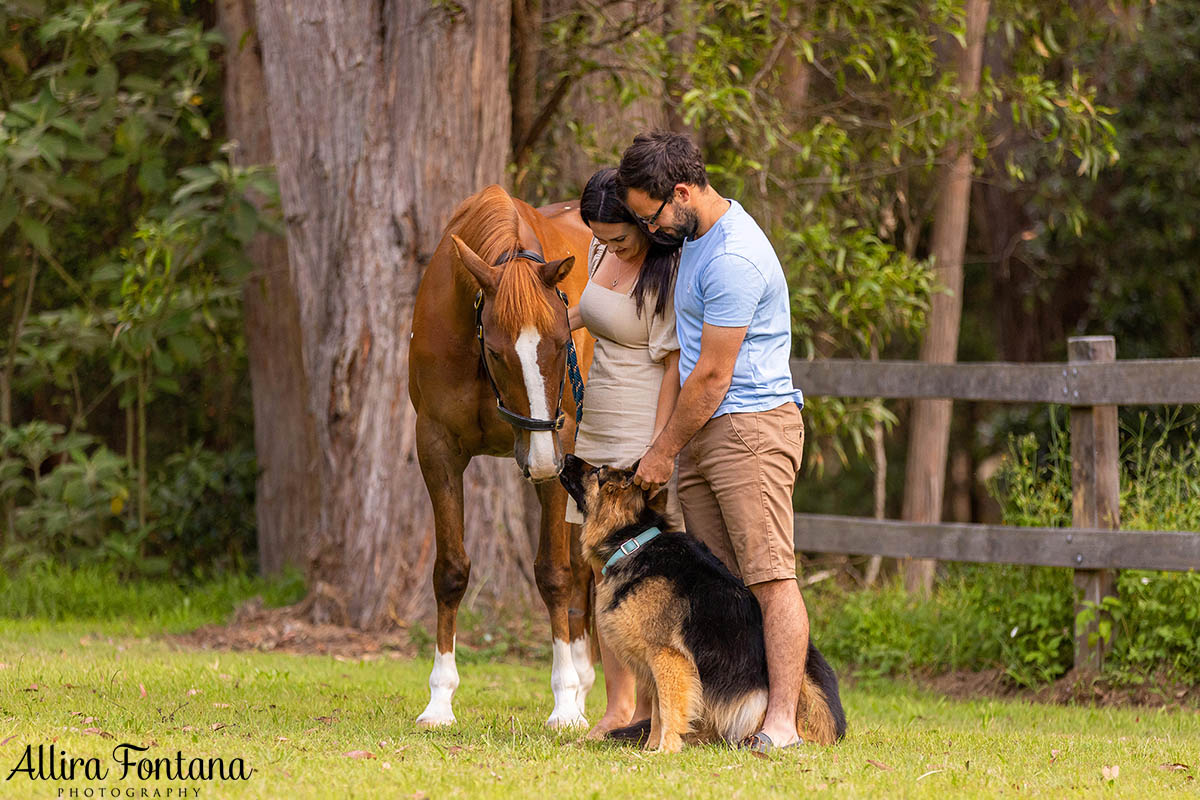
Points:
628	305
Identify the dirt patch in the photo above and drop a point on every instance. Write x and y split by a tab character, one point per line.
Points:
254	627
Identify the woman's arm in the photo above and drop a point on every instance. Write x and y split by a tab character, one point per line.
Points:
574	318
668	392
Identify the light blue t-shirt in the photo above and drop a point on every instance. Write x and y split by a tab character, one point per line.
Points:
730	277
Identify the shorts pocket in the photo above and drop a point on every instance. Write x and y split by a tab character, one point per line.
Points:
745	428
794	433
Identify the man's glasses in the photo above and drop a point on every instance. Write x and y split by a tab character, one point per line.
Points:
651	219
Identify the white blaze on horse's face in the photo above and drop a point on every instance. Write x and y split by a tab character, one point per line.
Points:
541	459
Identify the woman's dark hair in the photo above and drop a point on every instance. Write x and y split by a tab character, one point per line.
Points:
601	202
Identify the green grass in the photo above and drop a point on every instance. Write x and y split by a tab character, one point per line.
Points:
49	594
293	718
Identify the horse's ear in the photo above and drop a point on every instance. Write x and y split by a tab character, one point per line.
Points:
555	271
485	274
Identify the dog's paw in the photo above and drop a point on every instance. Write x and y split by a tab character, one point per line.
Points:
670	744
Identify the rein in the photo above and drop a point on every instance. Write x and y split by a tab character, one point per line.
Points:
513	418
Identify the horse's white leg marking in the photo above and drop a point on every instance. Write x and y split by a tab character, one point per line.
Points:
564	681
443	680
541	443
581	654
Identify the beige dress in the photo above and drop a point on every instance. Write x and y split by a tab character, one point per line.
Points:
620	405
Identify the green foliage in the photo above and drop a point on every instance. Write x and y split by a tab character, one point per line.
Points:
1154	620
1021	619
203	512
67	492
69	495
123	227
1136	259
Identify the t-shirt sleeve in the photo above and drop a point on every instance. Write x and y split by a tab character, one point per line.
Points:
731	287
663	339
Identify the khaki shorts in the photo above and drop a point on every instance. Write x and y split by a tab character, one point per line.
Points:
736	477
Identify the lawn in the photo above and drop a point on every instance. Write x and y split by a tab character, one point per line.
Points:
304	725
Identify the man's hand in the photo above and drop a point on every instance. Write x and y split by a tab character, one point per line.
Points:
654	470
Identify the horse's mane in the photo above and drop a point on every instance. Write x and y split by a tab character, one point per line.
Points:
488	222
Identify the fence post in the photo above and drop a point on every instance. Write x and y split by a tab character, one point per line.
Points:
1095	489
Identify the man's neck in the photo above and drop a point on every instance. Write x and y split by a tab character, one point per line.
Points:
710	208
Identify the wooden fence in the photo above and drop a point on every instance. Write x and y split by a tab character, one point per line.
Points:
1093	383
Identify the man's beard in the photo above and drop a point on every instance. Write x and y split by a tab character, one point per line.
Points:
688	223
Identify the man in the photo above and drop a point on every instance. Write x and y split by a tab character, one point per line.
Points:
736	428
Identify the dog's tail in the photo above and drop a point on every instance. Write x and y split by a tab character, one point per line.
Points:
819	716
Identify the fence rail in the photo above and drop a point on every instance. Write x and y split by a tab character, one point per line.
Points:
1120	383
1080	548
1093	383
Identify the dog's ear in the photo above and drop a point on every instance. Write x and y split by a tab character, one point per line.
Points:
657	501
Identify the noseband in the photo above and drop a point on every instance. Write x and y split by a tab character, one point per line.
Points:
515	419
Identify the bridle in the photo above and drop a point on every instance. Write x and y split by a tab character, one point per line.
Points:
512	417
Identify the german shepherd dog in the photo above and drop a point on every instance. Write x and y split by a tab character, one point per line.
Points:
685	625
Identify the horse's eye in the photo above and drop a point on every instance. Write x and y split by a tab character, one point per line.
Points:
493	354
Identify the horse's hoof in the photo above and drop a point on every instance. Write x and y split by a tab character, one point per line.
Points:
436	718
560	721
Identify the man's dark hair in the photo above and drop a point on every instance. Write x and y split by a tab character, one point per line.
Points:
658	160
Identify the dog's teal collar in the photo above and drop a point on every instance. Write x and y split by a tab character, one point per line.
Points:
629	546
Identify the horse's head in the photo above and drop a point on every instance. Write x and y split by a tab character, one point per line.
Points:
524	332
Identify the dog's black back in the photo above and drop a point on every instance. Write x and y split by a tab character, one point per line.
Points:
724	626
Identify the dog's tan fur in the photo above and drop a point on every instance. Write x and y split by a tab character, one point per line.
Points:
645	632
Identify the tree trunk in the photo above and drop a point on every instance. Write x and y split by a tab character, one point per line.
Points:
383	115
285	440
925	473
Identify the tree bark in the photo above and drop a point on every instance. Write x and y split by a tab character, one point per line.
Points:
925	473
285	440
383	114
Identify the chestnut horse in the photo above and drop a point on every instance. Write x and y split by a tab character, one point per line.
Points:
487	368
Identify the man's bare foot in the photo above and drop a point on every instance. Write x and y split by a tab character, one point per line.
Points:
609	722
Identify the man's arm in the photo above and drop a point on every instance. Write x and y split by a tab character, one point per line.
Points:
702	392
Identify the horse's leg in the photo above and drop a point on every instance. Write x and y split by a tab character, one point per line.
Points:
552	569
442	466
581	616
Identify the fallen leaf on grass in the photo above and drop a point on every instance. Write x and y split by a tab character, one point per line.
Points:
326	720
359	754
220	705
3	666
100	733
1110	773
33	687
9	739
879	764
1176	767
418	796
386	765
142	687
193	692
216	726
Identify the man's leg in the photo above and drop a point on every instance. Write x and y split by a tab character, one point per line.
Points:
785	629
752	471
